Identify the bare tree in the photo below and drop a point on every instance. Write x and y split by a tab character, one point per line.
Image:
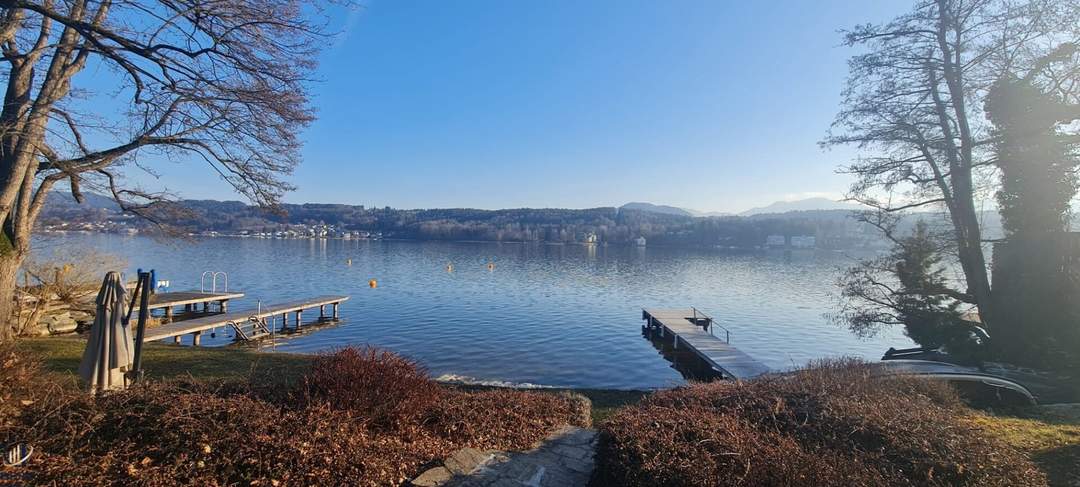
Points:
222	82
913	104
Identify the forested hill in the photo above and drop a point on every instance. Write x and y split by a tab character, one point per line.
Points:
832	228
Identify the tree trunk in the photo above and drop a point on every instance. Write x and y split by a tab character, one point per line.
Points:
970	251
10	261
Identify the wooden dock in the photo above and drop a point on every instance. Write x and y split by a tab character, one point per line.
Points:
190	300
241	320
692	329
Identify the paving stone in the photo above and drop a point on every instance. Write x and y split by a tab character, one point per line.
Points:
580	466
580	437
564	459
465	460
573	452
433	477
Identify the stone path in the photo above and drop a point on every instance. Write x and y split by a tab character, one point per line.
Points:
565	458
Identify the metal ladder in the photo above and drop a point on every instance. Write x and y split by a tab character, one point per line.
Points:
213	281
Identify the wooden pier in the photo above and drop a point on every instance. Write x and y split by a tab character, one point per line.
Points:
696	331
190	300
241	321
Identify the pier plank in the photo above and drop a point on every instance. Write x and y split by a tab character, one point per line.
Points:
209	322
723	356
181	298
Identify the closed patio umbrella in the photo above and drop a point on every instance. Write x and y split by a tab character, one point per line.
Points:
110	348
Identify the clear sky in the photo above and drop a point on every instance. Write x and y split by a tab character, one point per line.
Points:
714	105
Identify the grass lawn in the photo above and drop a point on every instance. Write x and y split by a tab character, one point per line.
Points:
1050	435
61	355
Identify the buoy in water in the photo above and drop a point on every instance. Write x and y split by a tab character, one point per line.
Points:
491	266
348	261
449	267
373	284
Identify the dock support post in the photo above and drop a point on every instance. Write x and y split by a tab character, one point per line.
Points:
223	305
299	313
284	321
168	314
206	307
176	339
322	312
196	338
335	311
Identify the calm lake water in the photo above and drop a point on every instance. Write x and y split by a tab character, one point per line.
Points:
546	314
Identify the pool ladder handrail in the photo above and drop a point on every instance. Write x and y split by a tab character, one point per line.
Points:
213	281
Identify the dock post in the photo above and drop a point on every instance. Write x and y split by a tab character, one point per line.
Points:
284	321
176	339
335	311
168	314
322	312
223	305
206	307
299	313
196	338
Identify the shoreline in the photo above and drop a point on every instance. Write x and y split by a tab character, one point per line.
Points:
760	248
61	355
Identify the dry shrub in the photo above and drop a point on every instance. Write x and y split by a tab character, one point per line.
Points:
222	433
22	381
65	277
386	389
503	418
831	424
159	435
17	374
69	272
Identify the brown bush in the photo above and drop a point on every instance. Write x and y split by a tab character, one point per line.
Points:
159	435
385	389
22	382
503	418
229	433
831	424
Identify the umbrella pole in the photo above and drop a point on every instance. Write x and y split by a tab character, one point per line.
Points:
140	330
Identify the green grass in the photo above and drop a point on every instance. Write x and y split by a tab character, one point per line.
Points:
61	356
1050	435
606	401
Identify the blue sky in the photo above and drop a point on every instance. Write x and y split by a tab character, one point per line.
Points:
713	105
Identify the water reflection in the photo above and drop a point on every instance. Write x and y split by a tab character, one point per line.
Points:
683	360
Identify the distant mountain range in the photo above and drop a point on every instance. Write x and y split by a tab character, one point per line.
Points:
664	210
809	204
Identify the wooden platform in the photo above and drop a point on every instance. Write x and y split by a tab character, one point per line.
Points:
190	300
680	325
183	298
196	326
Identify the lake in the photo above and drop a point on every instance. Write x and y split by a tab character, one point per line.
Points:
551	315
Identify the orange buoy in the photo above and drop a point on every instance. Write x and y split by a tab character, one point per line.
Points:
373	284
491	266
